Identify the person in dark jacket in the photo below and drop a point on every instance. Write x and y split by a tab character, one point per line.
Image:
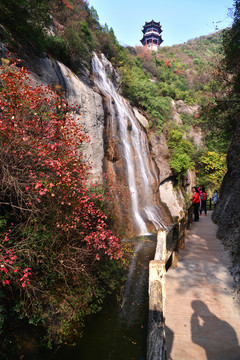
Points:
203	201
215	198
196	203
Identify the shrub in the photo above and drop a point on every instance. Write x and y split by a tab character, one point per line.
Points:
181	152
180	162
79	42
144	93
55	243
56	46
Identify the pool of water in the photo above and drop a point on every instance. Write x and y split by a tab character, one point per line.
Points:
108	338
119	331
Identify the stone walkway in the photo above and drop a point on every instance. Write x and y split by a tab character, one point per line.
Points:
202	315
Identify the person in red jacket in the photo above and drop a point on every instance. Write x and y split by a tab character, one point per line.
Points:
203	206
196	203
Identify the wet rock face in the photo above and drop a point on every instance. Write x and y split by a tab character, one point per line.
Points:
227	211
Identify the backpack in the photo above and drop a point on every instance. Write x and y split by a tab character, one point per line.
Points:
204	196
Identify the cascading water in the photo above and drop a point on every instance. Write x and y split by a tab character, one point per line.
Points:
140	172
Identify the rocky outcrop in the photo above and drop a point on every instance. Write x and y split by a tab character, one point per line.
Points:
161	153
141	118
227	211
183	108
175	114
173	197
180	107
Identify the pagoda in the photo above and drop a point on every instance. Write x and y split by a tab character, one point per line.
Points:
152	35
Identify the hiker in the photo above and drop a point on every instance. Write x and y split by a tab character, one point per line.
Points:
203	206
195	202
215	198
200	197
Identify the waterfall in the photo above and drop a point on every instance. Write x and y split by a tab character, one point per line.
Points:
140	171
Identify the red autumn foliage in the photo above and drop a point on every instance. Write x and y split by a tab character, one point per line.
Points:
144	53
167	63
67	4
44	179
179	71
68	12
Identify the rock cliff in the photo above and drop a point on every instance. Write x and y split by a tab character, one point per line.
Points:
227	211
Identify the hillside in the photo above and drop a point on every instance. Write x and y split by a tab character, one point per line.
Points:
181	72
175	87
186	70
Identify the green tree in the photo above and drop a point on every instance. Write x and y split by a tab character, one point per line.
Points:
212	168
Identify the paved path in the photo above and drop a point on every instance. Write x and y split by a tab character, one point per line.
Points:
202	316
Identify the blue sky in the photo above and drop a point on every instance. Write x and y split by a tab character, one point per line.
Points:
181	20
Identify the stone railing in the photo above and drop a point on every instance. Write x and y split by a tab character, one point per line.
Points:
166	256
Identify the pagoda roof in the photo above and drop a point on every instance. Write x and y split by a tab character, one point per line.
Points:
151	23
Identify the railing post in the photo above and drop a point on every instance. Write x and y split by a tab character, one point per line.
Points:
184	234
182	243
156	343
190	215
175	250
160	253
